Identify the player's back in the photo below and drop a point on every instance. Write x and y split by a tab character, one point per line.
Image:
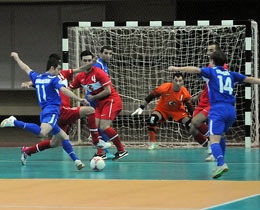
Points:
47	88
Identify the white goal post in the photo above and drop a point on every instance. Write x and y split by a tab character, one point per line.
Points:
142	51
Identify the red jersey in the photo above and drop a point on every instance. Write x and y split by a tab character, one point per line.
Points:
94	82
65	76
204	98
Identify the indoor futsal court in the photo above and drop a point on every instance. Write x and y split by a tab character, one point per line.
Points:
162	179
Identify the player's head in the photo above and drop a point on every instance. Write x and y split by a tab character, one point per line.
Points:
218	58
55	56
86	57
106	53
53	66
177	81
212	47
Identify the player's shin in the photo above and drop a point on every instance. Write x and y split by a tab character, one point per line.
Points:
68	149
38	147
113	136
31	127
202	140
223	145
217	153
93	128
152	133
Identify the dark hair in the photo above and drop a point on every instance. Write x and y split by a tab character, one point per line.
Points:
85	53
219	58
216	45
106	47
177	74
54	55
52	62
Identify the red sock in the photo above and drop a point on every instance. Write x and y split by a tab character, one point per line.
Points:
152	133
93	128
39	147
100	151
203	128
202	140
113	136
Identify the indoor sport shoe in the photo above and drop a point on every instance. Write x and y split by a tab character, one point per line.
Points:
102	155
8	122
120	155
24	155
152	145
219	170
210	158
79	164
109	155
102	145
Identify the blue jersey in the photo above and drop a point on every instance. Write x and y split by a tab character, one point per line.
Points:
102	65
47	88
221	84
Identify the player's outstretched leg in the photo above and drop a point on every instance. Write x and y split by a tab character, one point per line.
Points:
221	166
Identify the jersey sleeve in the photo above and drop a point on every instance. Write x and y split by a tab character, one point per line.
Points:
98	65
57	83
68	74
205	72
33	76
239	78
76	82
103	78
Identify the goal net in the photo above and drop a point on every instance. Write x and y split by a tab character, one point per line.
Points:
141	56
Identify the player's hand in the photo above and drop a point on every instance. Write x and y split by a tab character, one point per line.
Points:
84	102
94	60
173	68
91	97
137	112
14	55
25	85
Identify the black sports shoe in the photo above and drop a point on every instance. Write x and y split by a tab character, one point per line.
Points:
103	156
120	155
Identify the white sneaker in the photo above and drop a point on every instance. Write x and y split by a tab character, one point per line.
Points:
102	145
152	145
24	155
219	170
210	158
79	164
8	122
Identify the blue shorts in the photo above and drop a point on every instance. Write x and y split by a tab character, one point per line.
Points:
221	118
50	115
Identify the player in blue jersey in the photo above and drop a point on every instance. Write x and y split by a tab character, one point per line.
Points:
222	113
47	87
104	58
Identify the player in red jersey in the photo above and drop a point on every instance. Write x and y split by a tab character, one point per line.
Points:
69	115
173	96
109	103
199	128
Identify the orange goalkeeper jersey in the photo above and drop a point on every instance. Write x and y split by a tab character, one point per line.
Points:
169	99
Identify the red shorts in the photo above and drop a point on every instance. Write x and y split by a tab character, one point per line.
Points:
68	116
109	108
203	110
176	115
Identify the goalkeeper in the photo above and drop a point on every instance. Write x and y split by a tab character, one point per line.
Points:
173	96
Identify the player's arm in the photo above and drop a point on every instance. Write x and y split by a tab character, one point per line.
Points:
103	94
196	97
188	69
86	66
27	84
21	64
252	80
70	94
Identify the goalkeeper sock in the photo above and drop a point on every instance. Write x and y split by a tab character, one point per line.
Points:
217	153
31	127
39	147
68	148
152	133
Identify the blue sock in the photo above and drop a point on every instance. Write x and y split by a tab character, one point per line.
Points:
223	145
31	127
104	137
218	153
68	148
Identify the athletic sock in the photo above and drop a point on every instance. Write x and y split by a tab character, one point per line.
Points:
113	136
223	145
152	133
31	127
203	128
202	140
218	153
93	128
105	138
68	148
39	147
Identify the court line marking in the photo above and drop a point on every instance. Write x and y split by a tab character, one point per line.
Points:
229	202
88	207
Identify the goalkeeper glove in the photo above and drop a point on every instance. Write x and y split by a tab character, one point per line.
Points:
138	111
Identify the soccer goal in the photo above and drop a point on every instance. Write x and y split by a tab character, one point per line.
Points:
142	53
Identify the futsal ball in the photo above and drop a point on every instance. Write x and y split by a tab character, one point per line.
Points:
97	164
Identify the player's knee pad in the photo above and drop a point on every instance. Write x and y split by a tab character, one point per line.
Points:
188	124
154	119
